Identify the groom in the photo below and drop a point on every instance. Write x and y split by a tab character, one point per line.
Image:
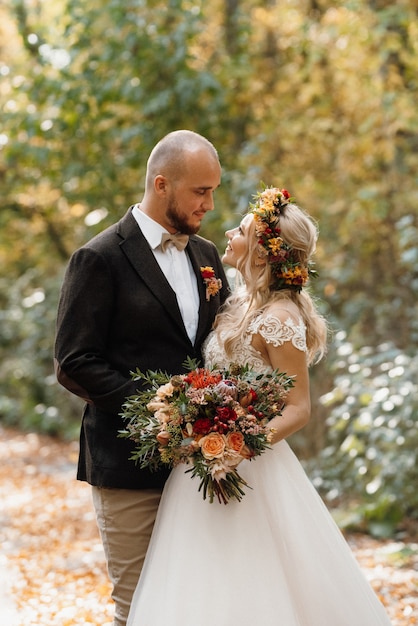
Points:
131	299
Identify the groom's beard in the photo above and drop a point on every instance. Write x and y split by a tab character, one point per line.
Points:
179	220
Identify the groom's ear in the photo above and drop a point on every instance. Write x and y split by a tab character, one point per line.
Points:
160	185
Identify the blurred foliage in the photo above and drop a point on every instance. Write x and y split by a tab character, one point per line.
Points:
316	96
372	447
31	397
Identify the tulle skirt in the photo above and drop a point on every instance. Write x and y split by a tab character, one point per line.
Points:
276	558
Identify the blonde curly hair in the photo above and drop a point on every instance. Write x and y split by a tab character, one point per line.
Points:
254	290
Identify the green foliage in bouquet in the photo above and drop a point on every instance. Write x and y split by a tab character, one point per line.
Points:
208	419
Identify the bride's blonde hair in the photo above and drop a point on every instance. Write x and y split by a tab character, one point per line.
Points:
254	293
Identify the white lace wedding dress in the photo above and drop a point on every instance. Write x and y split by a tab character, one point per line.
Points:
274	559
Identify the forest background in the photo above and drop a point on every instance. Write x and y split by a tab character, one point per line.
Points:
314	96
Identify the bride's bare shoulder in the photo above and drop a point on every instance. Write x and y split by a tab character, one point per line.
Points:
282	310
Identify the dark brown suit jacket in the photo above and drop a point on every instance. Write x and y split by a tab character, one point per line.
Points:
117	312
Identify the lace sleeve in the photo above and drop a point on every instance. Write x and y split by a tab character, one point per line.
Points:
276	332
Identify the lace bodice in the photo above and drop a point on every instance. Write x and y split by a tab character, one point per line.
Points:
272	330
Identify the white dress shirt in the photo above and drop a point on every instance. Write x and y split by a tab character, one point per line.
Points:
177	269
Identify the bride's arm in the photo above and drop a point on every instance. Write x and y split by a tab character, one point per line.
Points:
281	340
289	359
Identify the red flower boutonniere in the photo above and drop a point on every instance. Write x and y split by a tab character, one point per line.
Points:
213	284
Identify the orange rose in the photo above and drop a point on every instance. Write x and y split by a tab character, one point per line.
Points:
212	446
235	441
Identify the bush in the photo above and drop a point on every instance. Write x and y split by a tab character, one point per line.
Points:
371	452
30	397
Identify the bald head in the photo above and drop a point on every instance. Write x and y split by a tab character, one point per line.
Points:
171	156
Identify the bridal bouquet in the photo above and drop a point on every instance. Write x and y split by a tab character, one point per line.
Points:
208	419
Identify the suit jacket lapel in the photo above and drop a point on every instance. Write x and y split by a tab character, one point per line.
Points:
204	307
135	247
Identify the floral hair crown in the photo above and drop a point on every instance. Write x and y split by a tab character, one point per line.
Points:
288	272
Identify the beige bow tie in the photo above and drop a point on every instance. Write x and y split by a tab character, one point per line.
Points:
178	239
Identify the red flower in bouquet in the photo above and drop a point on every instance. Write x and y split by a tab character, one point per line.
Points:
202	426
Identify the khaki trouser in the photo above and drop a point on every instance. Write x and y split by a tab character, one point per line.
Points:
125	518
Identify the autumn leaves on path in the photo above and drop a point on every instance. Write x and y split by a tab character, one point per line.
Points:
49	537
51	558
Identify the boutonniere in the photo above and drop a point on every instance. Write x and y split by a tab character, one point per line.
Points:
213	284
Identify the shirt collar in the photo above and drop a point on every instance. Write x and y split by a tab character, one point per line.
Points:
151	230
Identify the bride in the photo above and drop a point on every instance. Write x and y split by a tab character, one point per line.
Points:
276	558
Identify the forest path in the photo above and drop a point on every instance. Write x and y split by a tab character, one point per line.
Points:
52	568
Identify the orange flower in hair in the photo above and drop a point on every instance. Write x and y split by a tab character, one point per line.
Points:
288	272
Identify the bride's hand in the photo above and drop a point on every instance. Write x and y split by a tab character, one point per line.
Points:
270	435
